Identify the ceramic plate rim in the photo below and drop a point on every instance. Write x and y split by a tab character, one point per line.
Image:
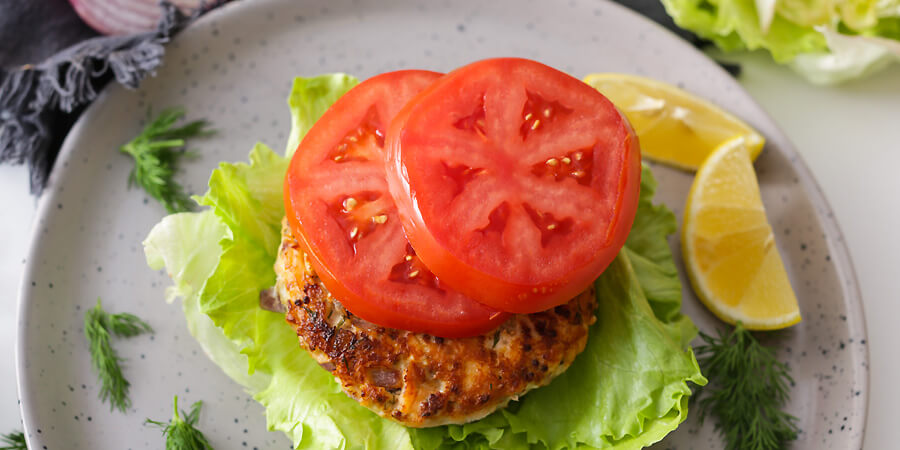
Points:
852	297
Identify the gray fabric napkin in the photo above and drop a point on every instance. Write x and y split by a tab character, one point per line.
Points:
40	102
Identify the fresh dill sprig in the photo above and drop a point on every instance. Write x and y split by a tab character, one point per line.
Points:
13	441
157	151
127	325
748	387
99	326
180	433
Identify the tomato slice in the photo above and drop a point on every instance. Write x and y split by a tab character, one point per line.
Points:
517	184
337	203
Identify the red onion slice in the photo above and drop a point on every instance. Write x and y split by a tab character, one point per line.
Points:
125	16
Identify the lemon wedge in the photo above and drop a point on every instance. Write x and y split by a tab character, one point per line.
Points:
728	245
674	127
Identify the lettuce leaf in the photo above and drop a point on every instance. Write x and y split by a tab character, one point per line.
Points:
309	99
187	245
849	56
735	25
627	390
825	41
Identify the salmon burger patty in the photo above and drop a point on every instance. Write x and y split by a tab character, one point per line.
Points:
422	380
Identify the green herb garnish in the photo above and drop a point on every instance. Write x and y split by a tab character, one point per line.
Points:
748	387
98	327
13	441
180	433
157	151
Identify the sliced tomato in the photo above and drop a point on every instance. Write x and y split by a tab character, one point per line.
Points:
517	184
337	203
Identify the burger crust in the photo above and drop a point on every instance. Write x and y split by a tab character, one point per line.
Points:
422	380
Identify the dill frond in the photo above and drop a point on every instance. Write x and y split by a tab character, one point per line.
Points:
157	151
748	387
99	326
181	433
13	441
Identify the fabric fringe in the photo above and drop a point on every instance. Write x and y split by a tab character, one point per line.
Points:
39	104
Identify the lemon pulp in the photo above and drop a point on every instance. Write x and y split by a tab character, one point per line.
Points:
674	127
728	245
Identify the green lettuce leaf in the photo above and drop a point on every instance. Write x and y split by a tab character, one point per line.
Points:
309	99
807	34
651	258
648	250
187	246
627	390
735	25
850	56
631	375
248	200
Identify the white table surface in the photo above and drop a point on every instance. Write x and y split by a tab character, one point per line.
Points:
848	135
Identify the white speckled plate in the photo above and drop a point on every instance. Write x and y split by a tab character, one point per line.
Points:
235	67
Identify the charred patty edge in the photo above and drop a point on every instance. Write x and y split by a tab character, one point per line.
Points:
422	380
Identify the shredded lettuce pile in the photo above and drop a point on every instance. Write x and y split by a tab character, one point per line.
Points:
628	389
827	41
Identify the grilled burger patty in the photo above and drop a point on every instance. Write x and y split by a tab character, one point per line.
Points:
421	380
